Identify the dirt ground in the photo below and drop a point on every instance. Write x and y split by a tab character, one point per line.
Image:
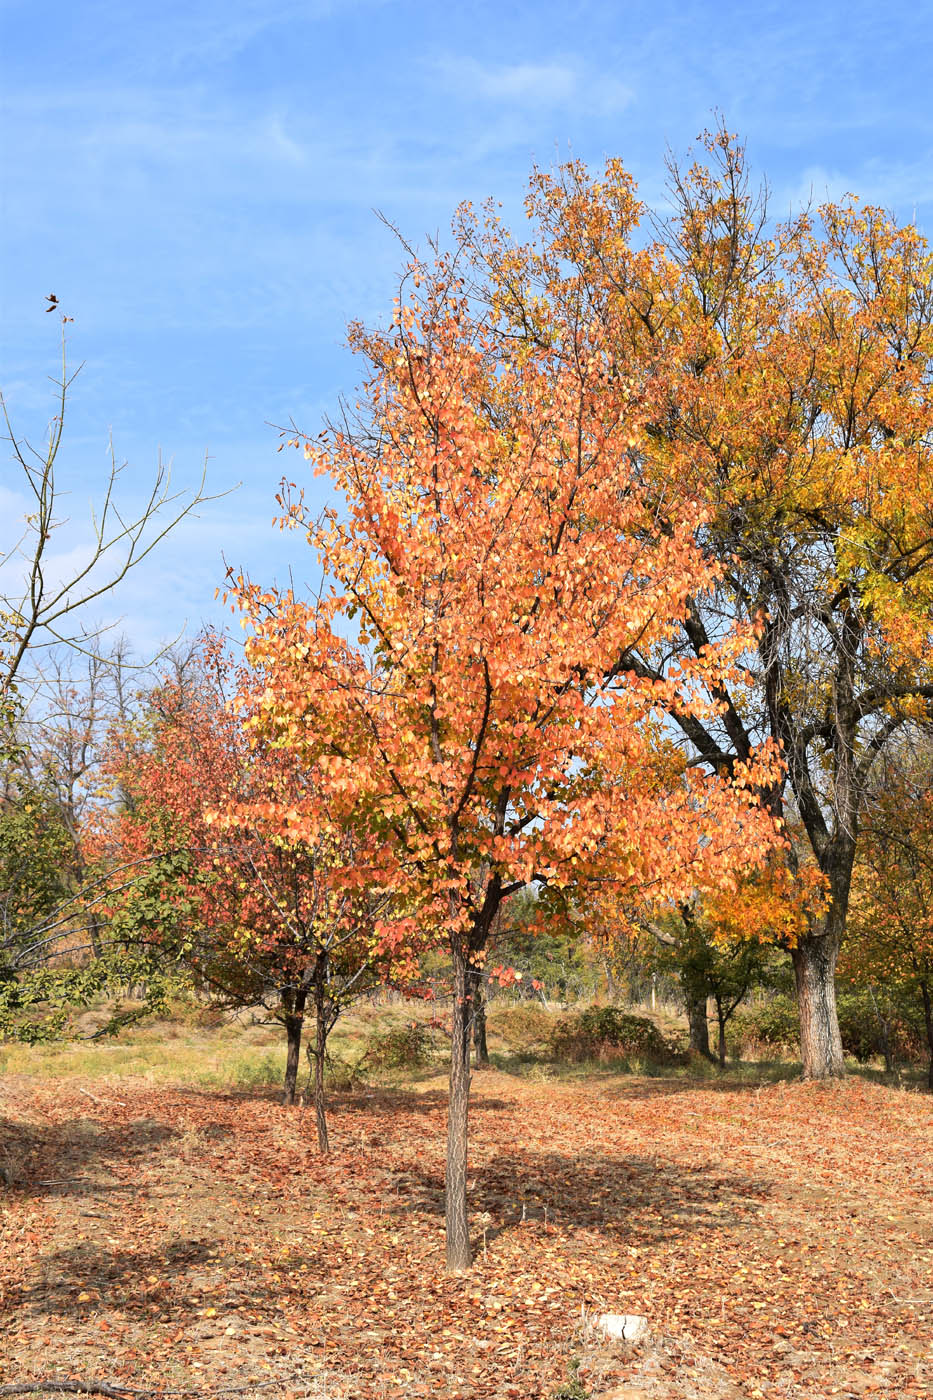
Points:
779	1239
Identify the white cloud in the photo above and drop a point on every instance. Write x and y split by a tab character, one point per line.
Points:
553	83
522	82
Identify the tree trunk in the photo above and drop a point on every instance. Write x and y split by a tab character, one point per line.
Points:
699	1024
479	1021
293	1036
93	928
814	961
884	1033
928	1018
293	1001
456	1221
320	1045
721	1018
611	989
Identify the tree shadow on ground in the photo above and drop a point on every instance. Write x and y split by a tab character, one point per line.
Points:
744	1081
589	1201
632	1199
380	1100
60	1158
86	1278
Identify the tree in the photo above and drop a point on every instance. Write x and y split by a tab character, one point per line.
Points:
34	848
787	387
707	967
258	918
39	609
459	687
891	947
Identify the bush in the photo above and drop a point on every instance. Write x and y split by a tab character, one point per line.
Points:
605	1032
768	1029
523	1026
773	1028
862	1023
401	1047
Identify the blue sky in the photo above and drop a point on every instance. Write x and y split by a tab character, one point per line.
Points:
196	181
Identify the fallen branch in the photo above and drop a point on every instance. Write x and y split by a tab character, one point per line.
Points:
125	1392
73	1388
104	1103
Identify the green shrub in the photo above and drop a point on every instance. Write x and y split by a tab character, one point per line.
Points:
863	1021
573	1388
605	1032
771	1028
401	1047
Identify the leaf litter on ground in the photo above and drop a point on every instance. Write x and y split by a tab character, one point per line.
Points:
779	1240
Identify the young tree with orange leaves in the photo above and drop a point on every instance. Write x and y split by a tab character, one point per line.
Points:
459	688
787	388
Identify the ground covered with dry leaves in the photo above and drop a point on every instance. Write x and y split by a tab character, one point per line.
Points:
779	1239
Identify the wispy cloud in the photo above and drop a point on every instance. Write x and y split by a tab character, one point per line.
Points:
546	84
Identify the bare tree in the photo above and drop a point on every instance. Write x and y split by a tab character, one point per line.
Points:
39	610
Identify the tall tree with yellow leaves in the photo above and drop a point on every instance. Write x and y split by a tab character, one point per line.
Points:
784	378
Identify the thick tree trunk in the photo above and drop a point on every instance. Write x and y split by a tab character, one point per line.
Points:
320	1045
479	1021
456	1220
293	1001
699	1024
814	961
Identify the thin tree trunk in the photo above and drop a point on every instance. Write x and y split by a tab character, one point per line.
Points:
479	1021
320	1045
611	989
814	961
294	1002
720	1017
699	1024
928	1018
97	947
456	1221
884	1032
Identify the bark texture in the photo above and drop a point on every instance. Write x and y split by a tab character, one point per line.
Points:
699	1025
480	1048
321	1028
455	1208
294	1002
814	961
293	1037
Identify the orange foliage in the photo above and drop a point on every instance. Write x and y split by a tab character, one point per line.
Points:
497	558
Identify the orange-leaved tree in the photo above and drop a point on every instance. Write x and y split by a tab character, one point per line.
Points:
788	372
459	687
258	917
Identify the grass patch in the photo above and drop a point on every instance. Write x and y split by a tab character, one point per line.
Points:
162	1053
388	1042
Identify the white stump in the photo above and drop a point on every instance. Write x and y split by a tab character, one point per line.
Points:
626	1327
